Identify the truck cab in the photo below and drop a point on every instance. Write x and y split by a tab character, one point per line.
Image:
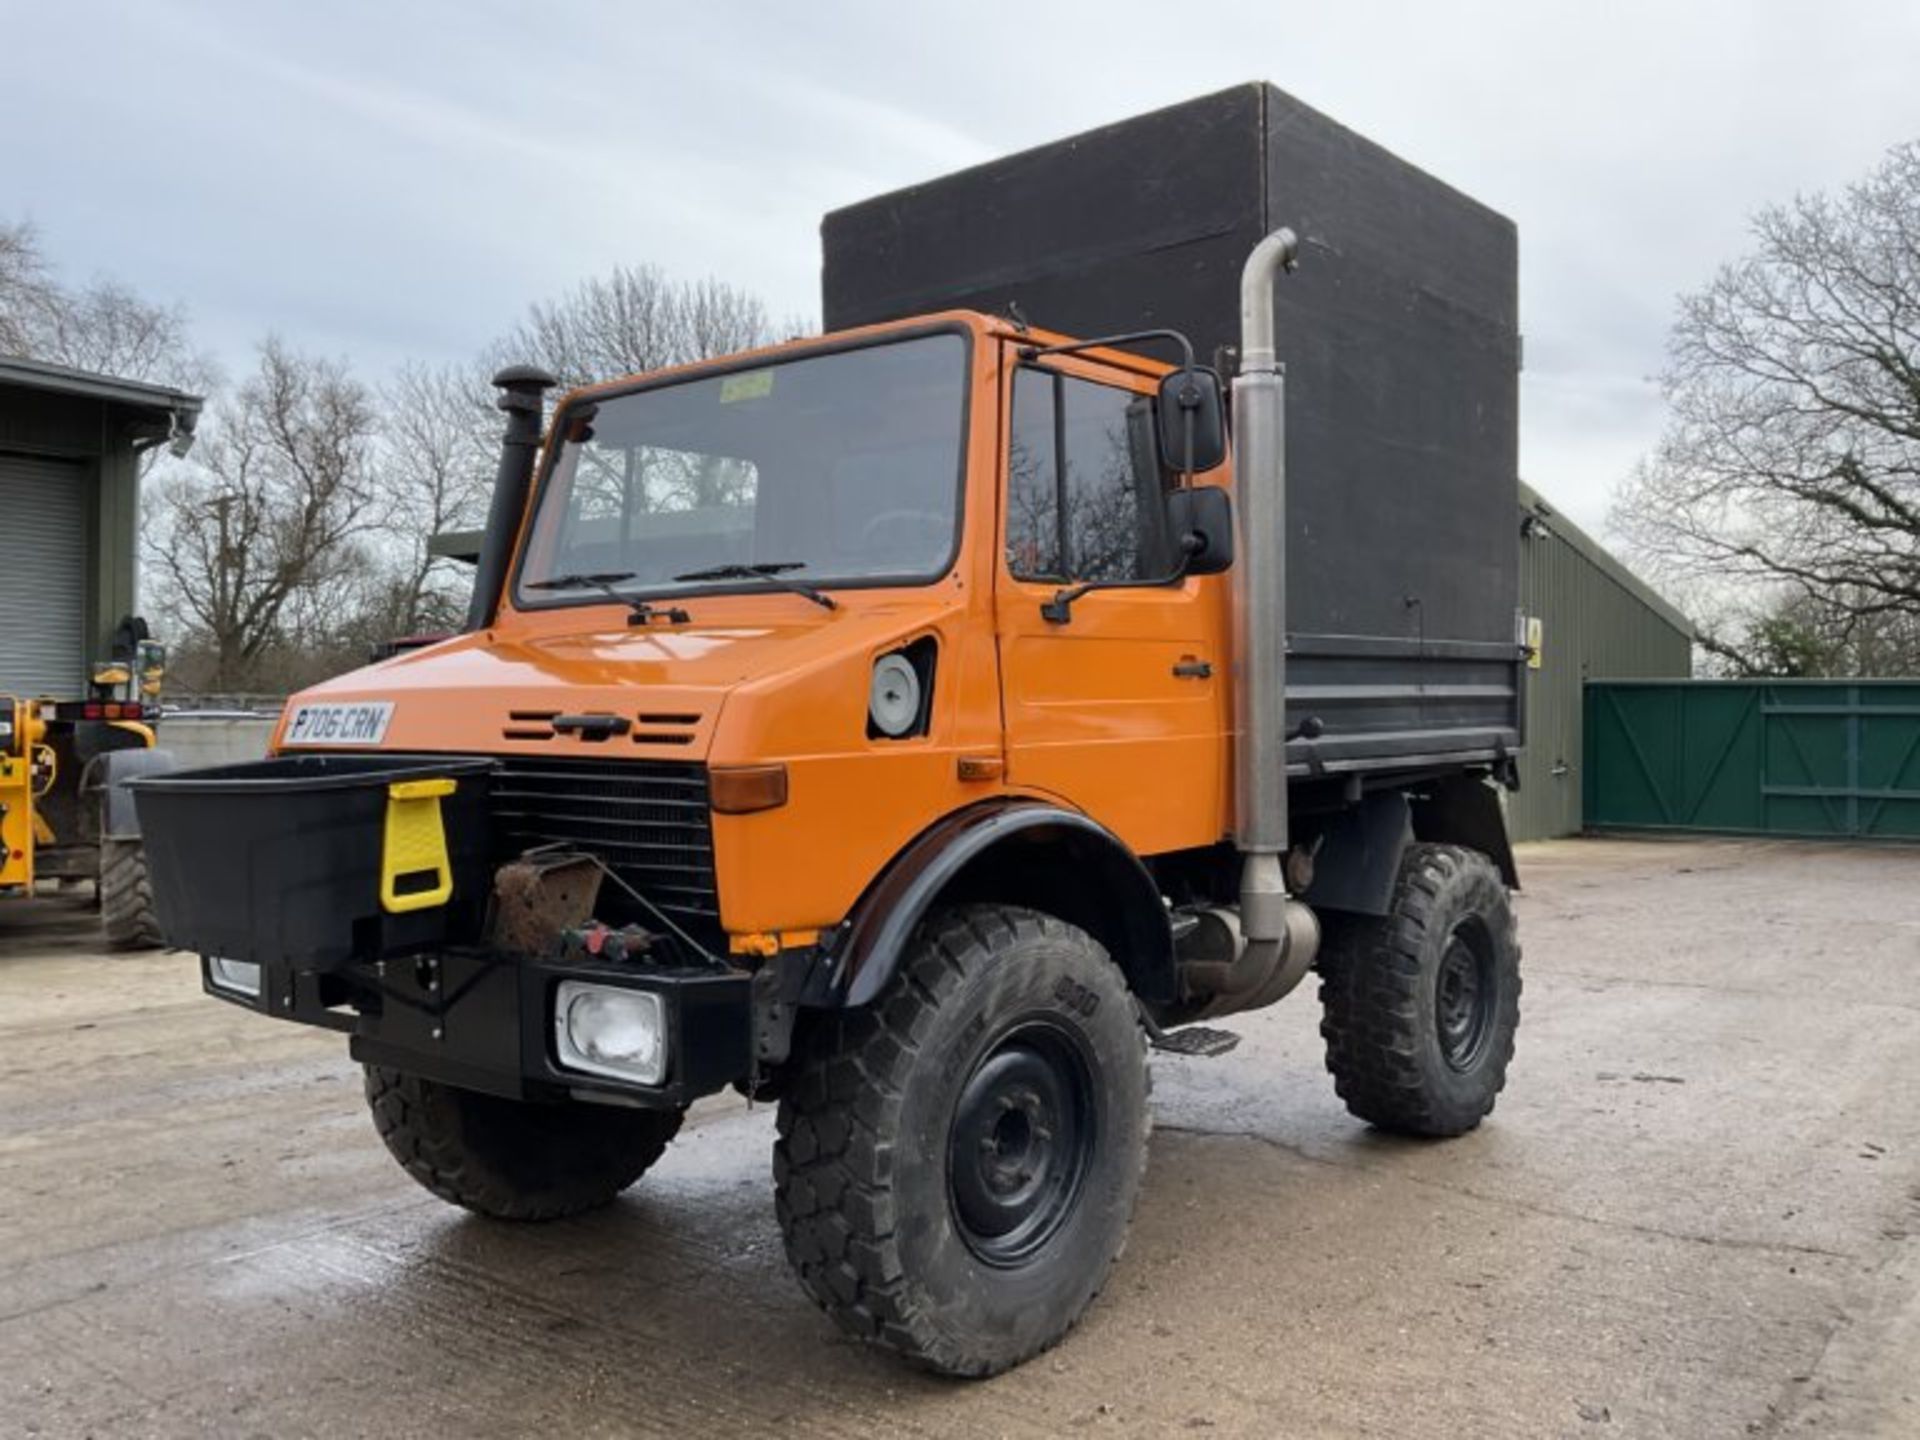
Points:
819	577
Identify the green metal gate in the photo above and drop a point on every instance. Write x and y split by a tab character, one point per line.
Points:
1782	757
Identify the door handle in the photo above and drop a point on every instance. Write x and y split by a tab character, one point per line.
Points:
1191	669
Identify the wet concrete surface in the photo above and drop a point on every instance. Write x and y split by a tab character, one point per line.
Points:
1696	1212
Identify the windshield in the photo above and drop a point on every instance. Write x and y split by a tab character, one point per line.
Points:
831	468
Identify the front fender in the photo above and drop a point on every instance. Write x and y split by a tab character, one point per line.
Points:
1020	852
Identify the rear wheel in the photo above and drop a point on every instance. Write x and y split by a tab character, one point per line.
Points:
957	1164
513	1159
1421	1006
126	896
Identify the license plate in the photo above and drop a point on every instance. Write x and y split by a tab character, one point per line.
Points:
359	723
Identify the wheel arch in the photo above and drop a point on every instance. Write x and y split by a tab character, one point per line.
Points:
1016	852
106	775
1465	810
1358	852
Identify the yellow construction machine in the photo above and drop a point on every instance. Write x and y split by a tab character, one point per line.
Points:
64	813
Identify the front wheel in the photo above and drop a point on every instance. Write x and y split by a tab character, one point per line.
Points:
1420	1006
957	1164
514	1159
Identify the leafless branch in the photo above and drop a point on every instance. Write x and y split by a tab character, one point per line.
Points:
1792	451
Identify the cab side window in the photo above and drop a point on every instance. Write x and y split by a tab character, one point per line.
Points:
1085	493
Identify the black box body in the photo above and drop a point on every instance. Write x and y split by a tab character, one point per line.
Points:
1399	333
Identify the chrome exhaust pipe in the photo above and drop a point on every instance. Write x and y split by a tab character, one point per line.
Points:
1269	942
1260	600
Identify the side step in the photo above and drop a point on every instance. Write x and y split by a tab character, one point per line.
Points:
1198	1042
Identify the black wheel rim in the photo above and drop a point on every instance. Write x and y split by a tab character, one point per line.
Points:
1466	999
1021	1143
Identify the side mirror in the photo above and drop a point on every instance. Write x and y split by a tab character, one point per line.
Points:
1193	421
1200	519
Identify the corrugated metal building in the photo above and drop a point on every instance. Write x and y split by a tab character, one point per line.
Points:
1591	619
70	446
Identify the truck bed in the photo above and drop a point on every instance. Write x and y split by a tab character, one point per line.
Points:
1400	337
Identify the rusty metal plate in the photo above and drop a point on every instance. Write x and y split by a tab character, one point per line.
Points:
537	898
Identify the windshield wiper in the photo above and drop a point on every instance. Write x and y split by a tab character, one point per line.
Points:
771	572
639	611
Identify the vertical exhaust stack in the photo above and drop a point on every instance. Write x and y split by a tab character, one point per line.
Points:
522	388
1278	932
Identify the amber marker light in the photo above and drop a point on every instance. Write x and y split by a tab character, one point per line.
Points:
743	789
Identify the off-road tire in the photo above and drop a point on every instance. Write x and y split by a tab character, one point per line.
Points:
862	1164
1394	1063
126	897
512	1159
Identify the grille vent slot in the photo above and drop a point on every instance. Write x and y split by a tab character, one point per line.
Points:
528	725
659	728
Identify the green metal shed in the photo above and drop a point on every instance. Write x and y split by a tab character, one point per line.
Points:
1591	619
70	449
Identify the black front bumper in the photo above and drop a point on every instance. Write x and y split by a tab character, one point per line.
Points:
484	1021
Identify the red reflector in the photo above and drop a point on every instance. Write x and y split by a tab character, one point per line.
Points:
90	711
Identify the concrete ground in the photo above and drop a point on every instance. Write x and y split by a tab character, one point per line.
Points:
1695	1213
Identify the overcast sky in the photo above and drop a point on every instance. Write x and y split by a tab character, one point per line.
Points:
393	180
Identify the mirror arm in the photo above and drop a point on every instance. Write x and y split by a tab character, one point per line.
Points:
1059	610
1108	342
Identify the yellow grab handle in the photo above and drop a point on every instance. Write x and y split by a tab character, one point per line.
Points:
415	844
420	789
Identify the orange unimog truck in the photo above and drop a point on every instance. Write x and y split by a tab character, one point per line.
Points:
919	724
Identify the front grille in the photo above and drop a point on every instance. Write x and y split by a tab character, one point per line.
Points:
647	819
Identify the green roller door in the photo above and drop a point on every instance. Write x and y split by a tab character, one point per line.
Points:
1806	758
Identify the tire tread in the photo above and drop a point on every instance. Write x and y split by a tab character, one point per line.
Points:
420	1123
126	897
1371	971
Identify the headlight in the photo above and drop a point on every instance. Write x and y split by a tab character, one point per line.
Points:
604	1030
236	977
893	701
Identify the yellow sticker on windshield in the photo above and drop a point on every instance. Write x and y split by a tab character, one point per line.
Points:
752	385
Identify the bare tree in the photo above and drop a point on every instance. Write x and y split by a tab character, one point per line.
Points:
1792	454
27	289
1793	634
109	329
105	327
441	439
261	538
634	319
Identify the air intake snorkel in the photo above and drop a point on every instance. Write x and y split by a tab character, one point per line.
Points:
522	388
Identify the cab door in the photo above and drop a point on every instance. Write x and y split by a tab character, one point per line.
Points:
1120	708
